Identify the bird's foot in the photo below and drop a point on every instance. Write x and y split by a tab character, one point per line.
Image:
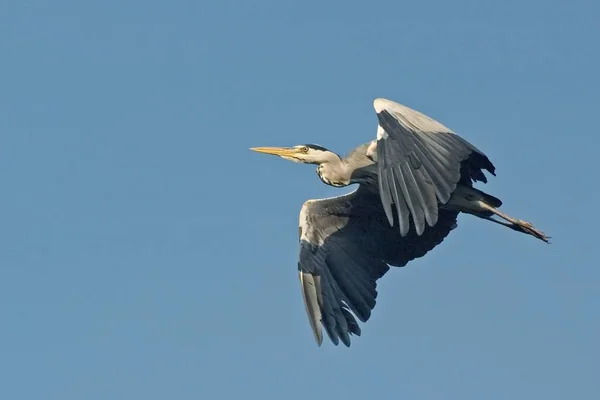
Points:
527	227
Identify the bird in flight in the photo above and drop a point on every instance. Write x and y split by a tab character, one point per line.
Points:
413	181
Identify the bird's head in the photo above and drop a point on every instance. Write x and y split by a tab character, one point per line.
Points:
304	153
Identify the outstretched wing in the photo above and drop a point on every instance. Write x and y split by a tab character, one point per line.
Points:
420	162
346	245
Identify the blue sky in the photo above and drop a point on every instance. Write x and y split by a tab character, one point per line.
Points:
147	253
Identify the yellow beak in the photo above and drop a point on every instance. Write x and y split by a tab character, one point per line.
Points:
276	151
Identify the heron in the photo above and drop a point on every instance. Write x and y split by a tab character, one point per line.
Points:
413	180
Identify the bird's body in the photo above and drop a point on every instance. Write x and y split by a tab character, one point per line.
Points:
414	180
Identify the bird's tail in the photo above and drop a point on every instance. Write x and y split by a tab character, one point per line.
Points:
476	202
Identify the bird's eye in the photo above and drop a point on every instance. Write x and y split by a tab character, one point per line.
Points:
304	149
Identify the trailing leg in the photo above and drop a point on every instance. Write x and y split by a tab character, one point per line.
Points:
473	201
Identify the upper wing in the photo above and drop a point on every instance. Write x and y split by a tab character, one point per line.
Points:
420	162
345	246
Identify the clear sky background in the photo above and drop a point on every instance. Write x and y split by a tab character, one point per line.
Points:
146	253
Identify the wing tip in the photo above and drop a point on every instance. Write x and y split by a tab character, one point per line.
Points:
318	339
311	303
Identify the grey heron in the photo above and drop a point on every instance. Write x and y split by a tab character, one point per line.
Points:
413	181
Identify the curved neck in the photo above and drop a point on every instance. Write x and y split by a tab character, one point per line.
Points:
333	173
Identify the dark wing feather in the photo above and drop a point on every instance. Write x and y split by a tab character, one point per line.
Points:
346	245
420	162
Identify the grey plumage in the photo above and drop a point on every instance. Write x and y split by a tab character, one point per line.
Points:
419	162
414	180
347	243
